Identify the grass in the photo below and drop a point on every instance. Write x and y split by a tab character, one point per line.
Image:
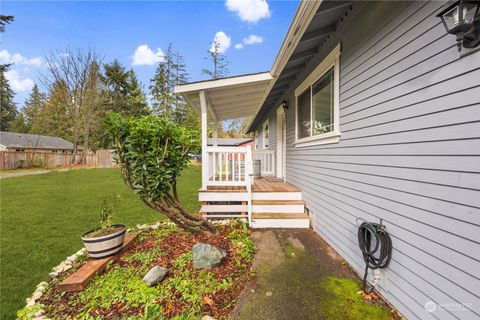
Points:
43	216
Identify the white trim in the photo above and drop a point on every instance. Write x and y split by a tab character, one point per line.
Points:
266	146
281	145
277	196
226	82
332	60
203	106
330	137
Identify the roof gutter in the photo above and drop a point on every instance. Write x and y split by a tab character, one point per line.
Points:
304	15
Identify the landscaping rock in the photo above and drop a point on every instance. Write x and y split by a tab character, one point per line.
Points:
206	256
155	275
207	318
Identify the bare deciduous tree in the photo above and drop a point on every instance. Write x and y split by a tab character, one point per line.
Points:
76	69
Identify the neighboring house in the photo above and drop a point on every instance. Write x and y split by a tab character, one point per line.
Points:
24	142
371	112
231	142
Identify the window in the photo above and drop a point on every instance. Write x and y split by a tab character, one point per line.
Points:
256	139
317	111
266	133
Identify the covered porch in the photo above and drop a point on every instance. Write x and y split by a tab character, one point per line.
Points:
229	186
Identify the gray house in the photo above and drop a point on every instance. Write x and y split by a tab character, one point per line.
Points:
368	112
25	142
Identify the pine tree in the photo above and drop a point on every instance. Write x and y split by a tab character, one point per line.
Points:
115	81
122	91
219	61
8	109
4	20
52	118
32	107
161	86
183	112
137	100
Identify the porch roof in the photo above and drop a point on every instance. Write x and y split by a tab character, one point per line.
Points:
228	98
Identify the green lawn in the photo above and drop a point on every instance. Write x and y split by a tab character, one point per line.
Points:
43	216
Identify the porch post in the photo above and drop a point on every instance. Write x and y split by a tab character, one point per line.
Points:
203	105
215	133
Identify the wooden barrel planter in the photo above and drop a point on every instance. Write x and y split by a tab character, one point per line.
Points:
105	245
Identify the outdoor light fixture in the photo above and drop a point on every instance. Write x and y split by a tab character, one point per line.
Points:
461	18
285	106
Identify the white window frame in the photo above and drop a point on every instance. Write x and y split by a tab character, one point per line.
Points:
255	139
266	141
331	61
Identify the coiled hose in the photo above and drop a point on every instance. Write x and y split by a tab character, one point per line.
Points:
380	255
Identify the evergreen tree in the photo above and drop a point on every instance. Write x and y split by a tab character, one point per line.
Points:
115	81
161	86
137	100
8	109
219	61
52	119
183	113
32	107
122	91
4	20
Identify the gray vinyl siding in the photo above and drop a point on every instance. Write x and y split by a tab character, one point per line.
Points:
409	154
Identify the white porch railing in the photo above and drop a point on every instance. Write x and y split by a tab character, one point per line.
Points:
267	161
228	166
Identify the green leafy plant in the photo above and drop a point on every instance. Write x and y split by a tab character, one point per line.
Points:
107	214
242	243
152	152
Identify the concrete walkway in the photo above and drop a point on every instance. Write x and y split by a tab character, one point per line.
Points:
22	173
292	268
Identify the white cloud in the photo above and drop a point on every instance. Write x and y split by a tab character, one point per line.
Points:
249	10
143	55
17	83
223	41
252	39
16	58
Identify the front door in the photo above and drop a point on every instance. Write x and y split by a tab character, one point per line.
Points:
281	132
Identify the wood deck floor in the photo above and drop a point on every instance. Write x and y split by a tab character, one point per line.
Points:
259	185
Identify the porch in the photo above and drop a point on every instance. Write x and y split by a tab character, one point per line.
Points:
229	186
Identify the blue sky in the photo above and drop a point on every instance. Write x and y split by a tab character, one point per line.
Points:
125	28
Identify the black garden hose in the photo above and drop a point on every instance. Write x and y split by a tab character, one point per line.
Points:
380	255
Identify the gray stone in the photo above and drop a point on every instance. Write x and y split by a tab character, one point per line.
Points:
206	256
155	275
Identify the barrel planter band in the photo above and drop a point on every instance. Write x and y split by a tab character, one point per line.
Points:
105	246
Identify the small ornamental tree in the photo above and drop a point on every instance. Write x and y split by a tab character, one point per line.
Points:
152	152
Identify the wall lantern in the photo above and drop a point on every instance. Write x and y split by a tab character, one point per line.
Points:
284	106
461	18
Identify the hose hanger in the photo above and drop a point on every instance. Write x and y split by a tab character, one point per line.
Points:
373	234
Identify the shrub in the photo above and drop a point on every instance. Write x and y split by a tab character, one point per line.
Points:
152	152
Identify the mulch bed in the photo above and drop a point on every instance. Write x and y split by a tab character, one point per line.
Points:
172	245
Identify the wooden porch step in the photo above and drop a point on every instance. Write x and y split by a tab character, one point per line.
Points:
277	202
224	216
280	216
223	189
224	208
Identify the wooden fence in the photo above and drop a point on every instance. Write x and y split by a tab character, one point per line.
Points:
10	160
